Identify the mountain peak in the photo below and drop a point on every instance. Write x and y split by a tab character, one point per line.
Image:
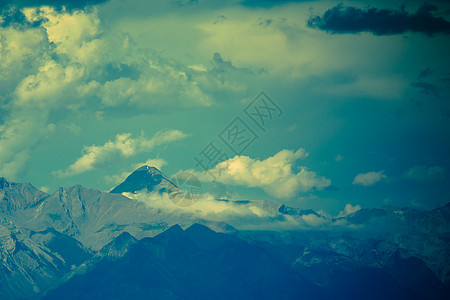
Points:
3	182
145	178
119	246
149	169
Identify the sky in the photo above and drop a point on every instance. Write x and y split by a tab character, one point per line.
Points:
315	104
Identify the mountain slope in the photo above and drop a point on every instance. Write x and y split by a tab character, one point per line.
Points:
31	264
145	178
47	240
193	264
18	196
93	217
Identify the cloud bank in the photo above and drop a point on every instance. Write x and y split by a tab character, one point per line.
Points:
348	19
250	215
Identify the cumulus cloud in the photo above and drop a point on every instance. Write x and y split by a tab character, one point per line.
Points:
368	179
63	60
275	174
123	145
348	19
424	174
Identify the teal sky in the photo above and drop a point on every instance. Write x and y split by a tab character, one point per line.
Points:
89	93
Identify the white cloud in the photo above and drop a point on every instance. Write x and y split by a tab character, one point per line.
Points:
423	173
274	175
45	189
348	210
123	145
369	178
314	221
255	215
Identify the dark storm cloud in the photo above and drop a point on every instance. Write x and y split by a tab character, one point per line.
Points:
11	14
267	3
347	19
70	4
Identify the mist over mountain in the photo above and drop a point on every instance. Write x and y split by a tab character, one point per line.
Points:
83	243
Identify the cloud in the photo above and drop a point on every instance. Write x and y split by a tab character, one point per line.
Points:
63	62
348	19
124	145
425	174
244	215
267	3
426	88
425	73
274	175
368	179
45	189
55	3
348	210
251	215
338	157
18	134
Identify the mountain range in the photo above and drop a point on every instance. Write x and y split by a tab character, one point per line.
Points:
83	243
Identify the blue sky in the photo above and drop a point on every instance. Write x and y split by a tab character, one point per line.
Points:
90	92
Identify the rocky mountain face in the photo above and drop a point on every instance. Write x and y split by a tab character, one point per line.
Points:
31	261
80	239
423	235
18	196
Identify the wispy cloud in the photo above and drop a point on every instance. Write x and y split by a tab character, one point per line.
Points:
123	145
424	173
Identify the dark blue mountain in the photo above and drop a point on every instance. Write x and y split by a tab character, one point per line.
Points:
196	263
